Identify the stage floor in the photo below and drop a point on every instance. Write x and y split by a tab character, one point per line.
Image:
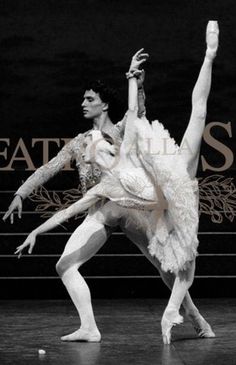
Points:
130	334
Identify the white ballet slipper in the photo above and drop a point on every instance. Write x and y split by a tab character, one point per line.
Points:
212	39
82	336
169	319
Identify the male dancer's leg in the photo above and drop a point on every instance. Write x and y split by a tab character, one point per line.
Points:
86	240
83	244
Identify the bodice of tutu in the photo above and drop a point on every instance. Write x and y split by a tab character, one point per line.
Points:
129	189
136	182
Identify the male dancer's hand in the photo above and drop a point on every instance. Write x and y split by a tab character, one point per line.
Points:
16	204
140	79
30	241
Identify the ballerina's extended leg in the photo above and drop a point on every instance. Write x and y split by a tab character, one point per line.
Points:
193	134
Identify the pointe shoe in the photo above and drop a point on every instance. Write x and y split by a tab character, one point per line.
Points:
168	321
201	326
212	38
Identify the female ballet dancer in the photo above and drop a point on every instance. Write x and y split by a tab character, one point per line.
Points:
172	229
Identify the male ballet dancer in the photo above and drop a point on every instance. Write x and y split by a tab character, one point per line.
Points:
92	233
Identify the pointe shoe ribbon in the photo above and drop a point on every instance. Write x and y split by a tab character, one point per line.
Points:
201	326
204	332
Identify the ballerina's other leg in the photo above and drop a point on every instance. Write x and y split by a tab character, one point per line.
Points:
200	325
191	141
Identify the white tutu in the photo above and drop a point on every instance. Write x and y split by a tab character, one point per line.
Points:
154	177
165	165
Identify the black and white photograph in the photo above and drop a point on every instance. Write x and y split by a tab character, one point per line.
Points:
117	182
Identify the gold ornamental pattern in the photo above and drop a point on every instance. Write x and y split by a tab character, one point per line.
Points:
217	199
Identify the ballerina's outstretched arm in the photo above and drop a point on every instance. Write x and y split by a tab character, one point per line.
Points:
90	198
134	72
133	101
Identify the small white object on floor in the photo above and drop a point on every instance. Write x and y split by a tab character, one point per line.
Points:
41	352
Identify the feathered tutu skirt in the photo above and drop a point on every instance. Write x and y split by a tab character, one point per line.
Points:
161	158
172	231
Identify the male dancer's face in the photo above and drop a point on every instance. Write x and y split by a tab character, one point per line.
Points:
92	105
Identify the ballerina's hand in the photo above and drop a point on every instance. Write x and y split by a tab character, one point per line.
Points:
137	59
30	241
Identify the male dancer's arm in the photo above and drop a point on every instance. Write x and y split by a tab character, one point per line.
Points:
41	176
90	198
141	95
45	172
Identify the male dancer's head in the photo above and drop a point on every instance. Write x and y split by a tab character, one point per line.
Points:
97	102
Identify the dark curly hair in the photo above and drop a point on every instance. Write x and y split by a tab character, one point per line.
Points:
107	94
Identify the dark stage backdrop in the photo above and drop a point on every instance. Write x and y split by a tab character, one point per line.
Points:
48	51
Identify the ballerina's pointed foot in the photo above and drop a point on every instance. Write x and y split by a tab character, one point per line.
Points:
83	336
170	318
201	326
212	38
